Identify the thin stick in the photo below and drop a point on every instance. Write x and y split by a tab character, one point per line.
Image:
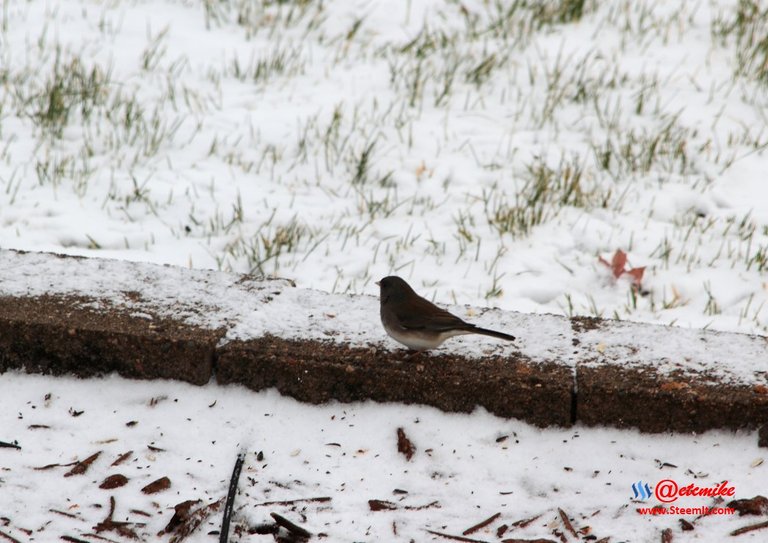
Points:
567	522
525	522
481	525
70	515
224	533
456	537
750	528
291	502
9	538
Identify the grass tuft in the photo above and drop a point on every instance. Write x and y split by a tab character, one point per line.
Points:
71	87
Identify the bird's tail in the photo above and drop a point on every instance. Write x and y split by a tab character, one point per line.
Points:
492	333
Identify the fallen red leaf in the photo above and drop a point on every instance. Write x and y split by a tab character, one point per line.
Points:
618	267
636	274
618	263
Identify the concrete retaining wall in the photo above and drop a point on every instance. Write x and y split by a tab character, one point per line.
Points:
87	317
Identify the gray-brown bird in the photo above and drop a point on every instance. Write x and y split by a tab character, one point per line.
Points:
416	322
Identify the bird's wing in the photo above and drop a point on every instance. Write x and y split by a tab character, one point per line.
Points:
424	315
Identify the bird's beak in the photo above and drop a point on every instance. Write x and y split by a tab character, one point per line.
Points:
378	283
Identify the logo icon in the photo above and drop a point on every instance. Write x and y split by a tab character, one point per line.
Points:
666	491
641	490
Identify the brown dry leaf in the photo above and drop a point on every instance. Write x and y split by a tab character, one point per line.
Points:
186	520
404	445
182	512
163	483
114	481
752	506
381	505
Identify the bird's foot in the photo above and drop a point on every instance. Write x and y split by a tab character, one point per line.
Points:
411	354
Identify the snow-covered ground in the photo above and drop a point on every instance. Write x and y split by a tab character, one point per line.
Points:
466	468
489	155
487	151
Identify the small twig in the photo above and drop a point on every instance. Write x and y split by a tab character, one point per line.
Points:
122	458
456	537
567	522
51	466
97	536
9	538
384	505
525	522
224	534
112	505
82	466
5	444
481	525
290	526
717	500
71	539
750	528
429	505
64	513
291	502
109	524
140	512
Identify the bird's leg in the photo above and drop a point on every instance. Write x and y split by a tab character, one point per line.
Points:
410	354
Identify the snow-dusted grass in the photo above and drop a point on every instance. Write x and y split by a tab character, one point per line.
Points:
472	466
487	151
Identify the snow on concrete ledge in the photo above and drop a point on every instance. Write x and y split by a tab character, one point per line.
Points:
61	314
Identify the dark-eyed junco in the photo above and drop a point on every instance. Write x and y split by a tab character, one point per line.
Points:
418	323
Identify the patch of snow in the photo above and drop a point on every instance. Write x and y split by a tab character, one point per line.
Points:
468	467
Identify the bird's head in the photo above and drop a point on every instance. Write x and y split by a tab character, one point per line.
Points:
393	288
